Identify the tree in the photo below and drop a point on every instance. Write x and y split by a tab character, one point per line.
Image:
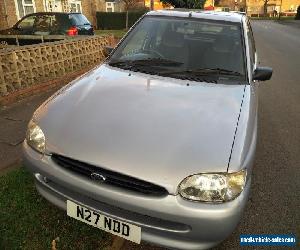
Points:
189	4
129	4
217	2
266	7
298	13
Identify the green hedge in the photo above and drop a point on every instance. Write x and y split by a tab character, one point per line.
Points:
117	20
297	17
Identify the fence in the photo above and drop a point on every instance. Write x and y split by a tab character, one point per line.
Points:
23	67
30	39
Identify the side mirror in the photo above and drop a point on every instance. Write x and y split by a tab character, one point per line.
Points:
107	50
17	27
262	73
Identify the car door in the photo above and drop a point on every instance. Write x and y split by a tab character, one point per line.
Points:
25	25
42	25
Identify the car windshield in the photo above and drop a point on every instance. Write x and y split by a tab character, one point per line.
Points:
178	47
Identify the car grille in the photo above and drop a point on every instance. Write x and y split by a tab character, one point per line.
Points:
150	224
111	177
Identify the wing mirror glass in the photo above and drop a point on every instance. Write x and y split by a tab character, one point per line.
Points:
17	27
262	73
107	50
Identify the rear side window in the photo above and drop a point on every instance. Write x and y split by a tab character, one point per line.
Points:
78	19
27	22
63	21
46	23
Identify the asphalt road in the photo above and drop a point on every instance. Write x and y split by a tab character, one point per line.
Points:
274	205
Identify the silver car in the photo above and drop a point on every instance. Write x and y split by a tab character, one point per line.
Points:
157	143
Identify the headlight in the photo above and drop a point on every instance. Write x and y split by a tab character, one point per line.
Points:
213	187
35	137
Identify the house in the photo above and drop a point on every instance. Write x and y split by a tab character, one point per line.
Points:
12	10
256	7
228	5
118	5
157	4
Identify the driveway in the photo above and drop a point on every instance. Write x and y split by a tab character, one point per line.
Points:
13	124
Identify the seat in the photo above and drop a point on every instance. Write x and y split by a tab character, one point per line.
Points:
174	47
225	53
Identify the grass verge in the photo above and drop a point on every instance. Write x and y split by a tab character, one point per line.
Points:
117	33
28	221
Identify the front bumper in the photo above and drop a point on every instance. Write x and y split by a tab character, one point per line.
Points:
168	221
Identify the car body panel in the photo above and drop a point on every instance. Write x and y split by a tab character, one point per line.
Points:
135	124
86	30
244	145
153	128
210	15
246	133
168	221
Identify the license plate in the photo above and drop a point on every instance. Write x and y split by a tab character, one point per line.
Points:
113	226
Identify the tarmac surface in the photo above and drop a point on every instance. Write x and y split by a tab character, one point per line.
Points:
13	125
274	205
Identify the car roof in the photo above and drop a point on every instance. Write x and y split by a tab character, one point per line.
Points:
203	14
54	13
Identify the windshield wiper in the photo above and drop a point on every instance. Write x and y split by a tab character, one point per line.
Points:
203	71
157	62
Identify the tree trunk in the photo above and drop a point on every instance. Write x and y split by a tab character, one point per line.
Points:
151	4
127	20
265	8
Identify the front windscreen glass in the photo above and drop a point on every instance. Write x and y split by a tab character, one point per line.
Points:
180	46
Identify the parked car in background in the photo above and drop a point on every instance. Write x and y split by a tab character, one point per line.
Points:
158	142
49	23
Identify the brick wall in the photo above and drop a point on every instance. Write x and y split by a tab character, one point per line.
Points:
3	16
39	5
232	4
8	16
89	8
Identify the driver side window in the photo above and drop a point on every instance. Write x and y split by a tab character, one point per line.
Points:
27	23
137	43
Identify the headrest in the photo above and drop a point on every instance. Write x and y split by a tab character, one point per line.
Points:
173	39
224	44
